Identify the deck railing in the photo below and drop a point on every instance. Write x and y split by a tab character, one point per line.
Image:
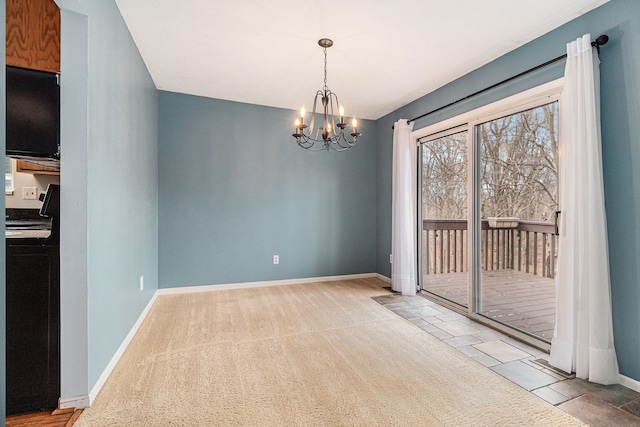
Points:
530	247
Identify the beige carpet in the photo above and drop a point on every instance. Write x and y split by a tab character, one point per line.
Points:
321	354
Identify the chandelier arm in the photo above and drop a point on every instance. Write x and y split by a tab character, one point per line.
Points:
340	149
337	133
334	96
313	114
339	143
335	144
309	144
311	147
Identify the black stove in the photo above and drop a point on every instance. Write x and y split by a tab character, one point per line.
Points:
36	223
28	224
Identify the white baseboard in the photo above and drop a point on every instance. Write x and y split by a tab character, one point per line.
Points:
118	354
245	285
383	278
630	383
76	402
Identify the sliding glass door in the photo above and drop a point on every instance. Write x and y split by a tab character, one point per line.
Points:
518	191
444	233
488	211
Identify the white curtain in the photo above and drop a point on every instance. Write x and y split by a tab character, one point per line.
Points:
583	337
403	228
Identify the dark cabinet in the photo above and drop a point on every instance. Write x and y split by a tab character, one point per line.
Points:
33	115
33	317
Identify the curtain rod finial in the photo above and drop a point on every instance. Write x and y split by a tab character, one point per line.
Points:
600	41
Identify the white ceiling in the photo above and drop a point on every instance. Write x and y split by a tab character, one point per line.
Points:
385	54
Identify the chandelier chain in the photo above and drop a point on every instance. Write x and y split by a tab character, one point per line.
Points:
325	69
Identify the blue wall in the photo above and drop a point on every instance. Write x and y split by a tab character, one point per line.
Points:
122	183
620	105
236	190
74	336
110	188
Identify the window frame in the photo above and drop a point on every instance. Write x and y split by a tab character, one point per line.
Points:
539	95
9	162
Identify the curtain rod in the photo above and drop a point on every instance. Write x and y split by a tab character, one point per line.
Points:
600	41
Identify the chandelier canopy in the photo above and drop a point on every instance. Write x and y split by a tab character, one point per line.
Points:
330	133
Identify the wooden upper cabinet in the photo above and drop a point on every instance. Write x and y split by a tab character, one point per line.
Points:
33	34
27	167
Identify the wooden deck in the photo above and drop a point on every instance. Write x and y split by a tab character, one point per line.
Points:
521	300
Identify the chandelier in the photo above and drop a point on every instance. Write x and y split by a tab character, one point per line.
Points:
329	134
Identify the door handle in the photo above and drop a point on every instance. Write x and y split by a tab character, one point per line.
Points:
555	223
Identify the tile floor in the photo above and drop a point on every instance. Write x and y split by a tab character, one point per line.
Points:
594	404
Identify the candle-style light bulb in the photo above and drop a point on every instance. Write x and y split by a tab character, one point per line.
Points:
297	123
302	117
341	112
354	123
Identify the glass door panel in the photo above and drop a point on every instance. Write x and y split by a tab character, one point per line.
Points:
518	201
444	217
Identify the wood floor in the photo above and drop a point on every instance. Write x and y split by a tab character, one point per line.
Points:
524	301
44	419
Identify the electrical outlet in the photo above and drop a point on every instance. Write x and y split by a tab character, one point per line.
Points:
390	258
276	259
141	283
29	193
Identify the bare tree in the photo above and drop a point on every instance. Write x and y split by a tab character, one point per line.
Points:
518	164
444	177
518	175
